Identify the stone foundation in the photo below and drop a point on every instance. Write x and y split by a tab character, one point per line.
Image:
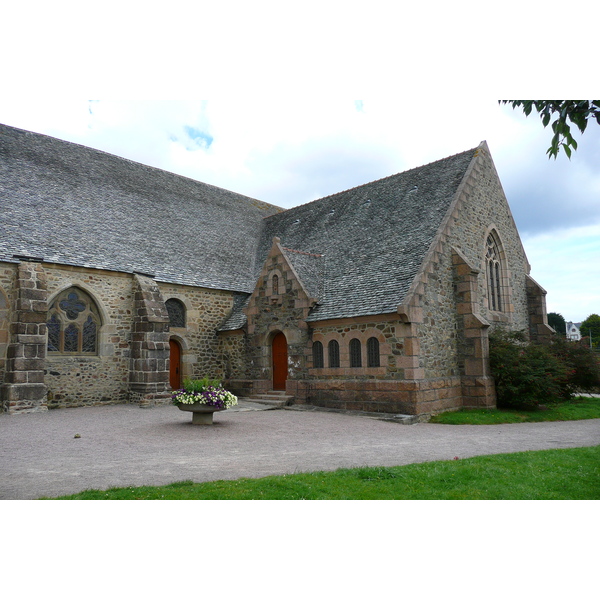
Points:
410	397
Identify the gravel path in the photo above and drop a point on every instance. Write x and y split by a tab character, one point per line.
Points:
124	445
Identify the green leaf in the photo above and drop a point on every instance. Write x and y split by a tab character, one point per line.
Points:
545	118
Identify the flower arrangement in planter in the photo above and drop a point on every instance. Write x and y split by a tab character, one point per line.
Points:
203	397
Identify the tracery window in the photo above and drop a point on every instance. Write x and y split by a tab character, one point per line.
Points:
334	354
373	352
318	355
73	323
176	310
493	273
355	353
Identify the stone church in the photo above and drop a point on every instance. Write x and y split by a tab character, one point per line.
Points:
118	280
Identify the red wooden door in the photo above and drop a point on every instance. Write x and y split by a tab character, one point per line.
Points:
175	361
280	361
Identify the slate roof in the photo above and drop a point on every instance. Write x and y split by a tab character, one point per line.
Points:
310	270
70	204
357	251
372	238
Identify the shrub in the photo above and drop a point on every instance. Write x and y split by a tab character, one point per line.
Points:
583	364
528	375
200	385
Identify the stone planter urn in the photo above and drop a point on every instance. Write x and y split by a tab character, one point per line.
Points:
202	414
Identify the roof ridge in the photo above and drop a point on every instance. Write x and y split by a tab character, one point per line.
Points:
137	163
356	187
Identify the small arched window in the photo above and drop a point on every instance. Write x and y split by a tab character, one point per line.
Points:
317	355
334	354
373	352
355	353
275	285
176	310
73	323
493	273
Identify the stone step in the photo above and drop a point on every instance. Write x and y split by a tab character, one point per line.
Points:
272	398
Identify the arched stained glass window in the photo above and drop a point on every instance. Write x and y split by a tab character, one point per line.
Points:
355	353
334	354
493	273
373	352
53	334
275	285
89	335
73	324
71	338
318	355
176	310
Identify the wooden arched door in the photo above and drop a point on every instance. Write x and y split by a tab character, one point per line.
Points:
175	362
279	352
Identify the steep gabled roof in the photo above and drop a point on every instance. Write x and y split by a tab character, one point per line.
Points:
73	205
373	238
357	252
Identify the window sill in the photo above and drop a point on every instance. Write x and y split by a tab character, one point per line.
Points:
56	357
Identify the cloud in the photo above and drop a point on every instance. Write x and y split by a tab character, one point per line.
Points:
567	264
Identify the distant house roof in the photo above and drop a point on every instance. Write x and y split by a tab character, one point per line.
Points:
73	205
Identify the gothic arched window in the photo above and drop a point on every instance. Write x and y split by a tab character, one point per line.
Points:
73	323
355	353
493	273
373	352
317	355
275	285
176	310
334	354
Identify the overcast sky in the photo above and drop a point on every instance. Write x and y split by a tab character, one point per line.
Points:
291	152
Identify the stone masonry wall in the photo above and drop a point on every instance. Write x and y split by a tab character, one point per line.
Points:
7	300
105	378
149	364
233	349
101	379
269	313
482	208
23	389
202	351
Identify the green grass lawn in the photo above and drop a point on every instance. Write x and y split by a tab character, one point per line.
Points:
580	408
571	474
